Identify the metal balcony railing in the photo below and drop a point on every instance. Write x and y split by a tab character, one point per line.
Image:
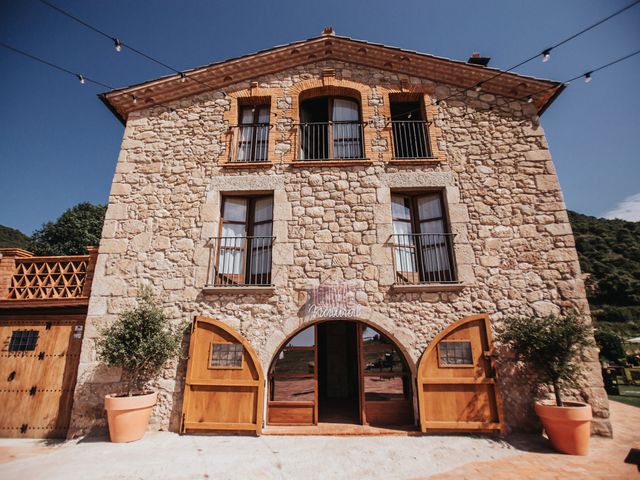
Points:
241	261
331	140
410	139
424	258
250	143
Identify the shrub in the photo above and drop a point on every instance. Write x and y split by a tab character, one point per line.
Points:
141	341
610	345
551	345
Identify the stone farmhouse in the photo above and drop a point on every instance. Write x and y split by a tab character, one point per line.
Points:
346	224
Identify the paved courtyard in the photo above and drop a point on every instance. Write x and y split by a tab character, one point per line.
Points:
164	455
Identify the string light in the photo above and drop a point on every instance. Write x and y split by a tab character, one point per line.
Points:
478	87
123	44
135	99
546	53
183	77
118	43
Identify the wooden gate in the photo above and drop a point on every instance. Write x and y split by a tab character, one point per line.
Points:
224	387
457	389
38	366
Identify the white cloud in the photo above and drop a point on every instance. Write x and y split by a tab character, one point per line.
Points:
627	209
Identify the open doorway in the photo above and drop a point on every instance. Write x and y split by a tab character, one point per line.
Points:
339	373
338	387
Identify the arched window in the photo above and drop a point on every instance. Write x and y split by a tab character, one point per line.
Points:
330	128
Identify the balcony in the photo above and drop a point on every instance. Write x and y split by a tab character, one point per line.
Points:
410	139
424	259
250	143
241	263
321	141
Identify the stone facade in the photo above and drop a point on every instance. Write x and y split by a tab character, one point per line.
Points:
514	247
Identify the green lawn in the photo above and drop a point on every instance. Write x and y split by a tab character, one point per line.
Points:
628	394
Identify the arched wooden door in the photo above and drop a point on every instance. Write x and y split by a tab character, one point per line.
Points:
457	389
224	387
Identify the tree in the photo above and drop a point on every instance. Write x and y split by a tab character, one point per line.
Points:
77	228
551	345
12	238
610	345
140	341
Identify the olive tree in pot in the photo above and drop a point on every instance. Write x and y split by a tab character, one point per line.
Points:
552	346
140	341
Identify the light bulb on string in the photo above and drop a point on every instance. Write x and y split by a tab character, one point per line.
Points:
183	77
81	78
546	55
118	44
587	77
478	87
135	100
530	100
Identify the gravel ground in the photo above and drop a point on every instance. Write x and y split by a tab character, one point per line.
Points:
162	455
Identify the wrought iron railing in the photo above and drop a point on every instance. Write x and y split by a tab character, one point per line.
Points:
331	140
410	139
424	258
241	261
250	143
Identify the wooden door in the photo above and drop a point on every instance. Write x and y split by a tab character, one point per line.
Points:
457	389
293	381
224	386
38	366
385	380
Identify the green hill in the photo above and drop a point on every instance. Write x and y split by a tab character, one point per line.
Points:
609	252
10	238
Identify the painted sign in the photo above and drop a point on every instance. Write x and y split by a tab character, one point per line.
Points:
332	300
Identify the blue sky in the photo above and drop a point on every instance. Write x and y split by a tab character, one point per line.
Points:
59	144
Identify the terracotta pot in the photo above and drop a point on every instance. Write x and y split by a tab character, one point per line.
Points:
568	427
128	416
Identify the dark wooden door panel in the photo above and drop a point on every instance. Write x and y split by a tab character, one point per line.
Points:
37	379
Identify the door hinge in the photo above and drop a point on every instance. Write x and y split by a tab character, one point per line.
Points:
48	326
11	376
33	390
23	428
41	356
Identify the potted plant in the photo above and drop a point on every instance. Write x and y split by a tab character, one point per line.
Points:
140	341
553	347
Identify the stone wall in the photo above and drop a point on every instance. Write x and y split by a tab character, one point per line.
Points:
514	247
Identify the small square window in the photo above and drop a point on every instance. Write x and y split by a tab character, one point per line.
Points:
455	353
226	355
23	340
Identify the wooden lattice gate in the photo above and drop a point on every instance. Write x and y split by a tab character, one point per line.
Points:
457	381
224	389
38	365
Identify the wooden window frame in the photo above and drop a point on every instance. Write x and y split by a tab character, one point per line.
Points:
395	98
238	367
460	365
415	223
249	224
330	121
255	106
